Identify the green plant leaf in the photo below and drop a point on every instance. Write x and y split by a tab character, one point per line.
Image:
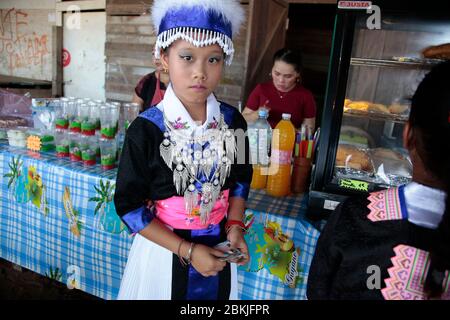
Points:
96	189
99	205
95	199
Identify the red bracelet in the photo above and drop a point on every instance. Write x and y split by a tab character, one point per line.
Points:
231	223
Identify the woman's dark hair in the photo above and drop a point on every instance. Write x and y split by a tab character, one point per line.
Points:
430	123
289	56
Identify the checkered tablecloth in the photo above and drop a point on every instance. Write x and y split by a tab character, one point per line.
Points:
40	239
35	232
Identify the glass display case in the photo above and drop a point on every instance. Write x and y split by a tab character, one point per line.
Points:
372	77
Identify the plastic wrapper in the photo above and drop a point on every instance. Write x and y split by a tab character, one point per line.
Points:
390	167
12	104
350	157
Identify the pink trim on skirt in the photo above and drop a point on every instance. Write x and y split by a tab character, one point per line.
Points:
172	212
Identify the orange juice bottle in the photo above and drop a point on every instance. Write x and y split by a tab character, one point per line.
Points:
279	178
259	180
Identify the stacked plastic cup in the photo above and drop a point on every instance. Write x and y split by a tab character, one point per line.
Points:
61	114
108	153
74	116
109	121
130	112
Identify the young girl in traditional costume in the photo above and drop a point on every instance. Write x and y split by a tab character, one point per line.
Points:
182	155
395	244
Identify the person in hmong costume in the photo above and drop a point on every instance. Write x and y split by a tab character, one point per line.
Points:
395	244
184	173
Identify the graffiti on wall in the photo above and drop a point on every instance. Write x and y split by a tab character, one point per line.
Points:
21	47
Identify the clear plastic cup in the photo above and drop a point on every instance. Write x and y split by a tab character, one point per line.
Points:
62	143
88	155
130	112
74	116
95	114
109	121
108	153
88	124
74	147
61	114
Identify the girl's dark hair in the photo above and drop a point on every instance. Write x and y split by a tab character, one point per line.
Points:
291	57
430	122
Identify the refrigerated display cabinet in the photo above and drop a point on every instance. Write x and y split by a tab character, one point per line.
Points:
373	74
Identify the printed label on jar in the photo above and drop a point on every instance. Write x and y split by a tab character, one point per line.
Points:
281	157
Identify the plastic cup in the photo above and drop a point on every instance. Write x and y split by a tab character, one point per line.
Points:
61	114
74	117
301	174
95	114
108	153
62	143
74	147
130	112
87	147
88	124
109	121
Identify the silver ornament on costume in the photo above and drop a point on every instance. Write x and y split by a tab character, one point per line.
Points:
213	163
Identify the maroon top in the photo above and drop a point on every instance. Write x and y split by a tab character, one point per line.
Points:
299	102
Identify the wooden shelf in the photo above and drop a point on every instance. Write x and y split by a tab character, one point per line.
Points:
376	116
396	62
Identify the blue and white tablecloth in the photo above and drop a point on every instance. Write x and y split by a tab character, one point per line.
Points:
57	218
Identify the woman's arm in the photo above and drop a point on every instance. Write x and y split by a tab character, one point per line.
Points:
250	115
139	101
310	123
203	258
236	234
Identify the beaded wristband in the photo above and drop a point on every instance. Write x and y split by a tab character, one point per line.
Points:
231	223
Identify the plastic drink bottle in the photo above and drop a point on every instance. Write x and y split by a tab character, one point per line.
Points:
278	181
260	136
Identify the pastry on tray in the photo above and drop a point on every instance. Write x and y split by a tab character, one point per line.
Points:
378	107
351	157
399	108
358	105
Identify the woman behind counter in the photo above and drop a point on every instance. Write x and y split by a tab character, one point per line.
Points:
151	88
284	94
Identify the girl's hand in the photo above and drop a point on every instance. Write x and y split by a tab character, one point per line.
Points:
236	237
206	260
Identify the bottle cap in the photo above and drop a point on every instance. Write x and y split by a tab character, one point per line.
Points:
262	113
286	116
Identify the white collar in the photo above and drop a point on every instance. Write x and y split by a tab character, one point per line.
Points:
425	205
177	114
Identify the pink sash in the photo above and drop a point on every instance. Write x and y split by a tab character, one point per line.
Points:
172	212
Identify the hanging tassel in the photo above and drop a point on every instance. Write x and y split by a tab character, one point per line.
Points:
215	190
180	178
190	198
166	152
230	145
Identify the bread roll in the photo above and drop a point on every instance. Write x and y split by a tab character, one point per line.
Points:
397	108
437	52
378	107
387	154
347	102
349	156
359	105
